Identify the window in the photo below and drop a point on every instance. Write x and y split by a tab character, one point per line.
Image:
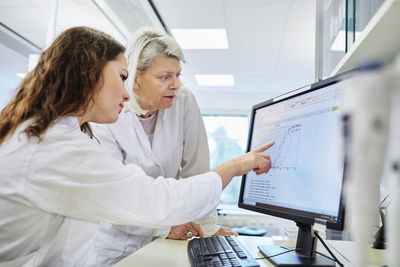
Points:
11	64
227	139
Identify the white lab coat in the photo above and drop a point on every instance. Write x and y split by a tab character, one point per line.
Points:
68	180
179	149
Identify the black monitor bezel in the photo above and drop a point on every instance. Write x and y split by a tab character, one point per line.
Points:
292	214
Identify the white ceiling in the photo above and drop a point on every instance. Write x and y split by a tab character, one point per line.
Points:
271	42
27	17
30	18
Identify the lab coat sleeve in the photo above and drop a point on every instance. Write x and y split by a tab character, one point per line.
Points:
162	232
110	143
196	155
72	176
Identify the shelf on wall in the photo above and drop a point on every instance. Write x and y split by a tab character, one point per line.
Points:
380	39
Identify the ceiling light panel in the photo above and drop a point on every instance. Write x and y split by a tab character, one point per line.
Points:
215	80
201	38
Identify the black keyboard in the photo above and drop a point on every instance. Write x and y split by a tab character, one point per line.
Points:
219	251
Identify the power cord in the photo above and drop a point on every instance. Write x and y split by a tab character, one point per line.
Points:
289	250
326	247
323	243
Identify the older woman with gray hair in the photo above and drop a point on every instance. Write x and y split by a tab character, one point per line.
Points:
162	131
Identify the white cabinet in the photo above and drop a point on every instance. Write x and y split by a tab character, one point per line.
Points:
342	25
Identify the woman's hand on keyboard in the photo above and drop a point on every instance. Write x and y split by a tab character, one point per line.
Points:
185	231
225	231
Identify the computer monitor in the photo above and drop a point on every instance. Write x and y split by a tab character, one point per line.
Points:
305	181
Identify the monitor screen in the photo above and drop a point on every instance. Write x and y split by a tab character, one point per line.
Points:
305	181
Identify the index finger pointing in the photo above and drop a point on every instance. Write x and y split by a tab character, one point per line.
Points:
264	147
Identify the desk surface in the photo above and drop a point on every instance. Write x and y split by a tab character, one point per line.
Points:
174	252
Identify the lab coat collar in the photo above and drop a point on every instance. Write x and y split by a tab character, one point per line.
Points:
138	130
70	121
161	118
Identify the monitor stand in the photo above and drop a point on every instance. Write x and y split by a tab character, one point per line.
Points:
304	254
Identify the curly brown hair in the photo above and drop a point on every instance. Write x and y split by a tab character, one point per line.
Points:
63	83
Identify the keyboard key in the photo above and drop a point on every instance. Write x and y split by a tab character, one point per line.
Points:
219	251
242	255
223	256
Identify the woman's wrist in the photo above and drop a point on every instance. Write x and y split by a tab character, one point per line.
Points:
226	171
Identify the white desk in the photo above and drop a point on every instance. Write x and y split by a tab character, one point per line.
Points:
174	252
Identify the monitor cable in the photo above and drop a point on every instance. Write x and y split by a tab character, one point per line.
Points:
299	250
326	247
289	250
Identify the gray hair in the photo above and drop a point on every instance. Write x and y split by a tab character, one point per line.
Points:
145	45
